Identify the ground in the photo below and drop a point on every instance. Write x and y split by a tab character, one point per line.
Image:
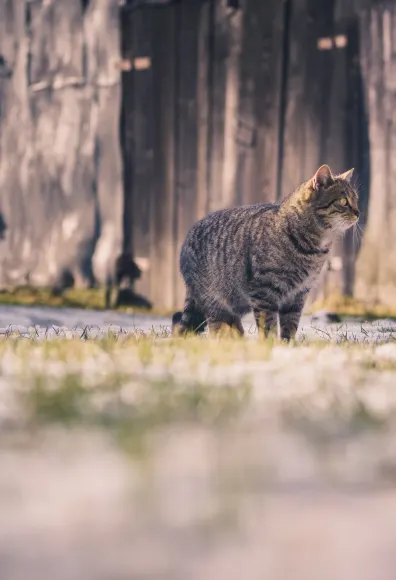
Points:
128	454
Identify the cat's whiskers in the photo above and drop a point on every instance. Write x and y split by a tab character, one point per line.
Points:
358	235
355	237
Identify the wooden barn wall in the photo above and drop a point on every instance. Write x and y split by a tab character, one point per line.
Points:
220	106
60	164
322	111
160	129
238	106
186	128
258	122
137	134
376	265
207	137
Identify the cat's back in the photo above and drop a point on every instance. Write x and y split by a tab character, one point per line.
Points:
224	236
221	224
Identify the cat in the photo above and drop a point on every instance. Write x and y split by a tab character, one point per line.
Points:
263	258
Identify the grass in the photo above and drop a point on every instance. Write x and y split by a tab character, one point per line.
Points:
188	438
72	298
130	408
133	384
347	306
92	298
130	387
252	401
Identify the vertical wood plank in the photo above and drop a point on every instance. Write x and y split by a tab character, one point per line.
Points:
320	87
357	143
308	92
376	268
187	53
59	141
334	125
127	129
257	132
231	105
205	36
142	142
217	104
163	252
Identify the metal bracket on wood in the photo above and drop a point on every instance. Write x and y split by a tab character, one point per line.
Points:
138	63
124	65
142	63
331	42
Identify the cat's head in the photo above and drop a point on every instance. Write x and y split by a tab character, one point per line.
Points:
333	198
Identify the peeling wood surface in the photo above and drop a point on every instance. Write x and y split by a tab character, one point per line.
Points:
60	166
376	266
211	106
259	112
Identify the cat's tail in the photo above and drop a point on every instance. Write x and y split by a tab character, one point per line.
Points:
190	320
176	324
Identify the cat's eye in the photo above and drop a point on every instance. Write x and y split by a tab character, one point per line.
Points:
343	201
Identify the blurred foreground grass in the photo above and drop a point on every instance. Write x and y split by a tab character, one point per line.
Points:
131	386
142	456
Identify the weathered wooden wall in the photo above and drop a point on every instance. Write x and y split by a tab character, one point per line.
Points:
258	122
211	126
247	104
376	266
219	106
60	165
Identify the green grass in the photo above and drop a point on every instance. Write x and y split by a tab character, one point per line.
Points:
161	402
133	386
74	298
92	298
119	392
347	306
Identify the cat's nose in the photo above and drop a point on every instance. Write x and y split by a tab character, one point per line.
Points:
356	212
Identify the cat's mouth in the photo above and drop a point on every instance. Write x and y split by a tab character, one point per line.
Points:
354	218
350	221
344	223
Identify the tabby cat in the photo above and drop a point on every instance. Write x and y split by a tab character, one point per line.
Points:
263	258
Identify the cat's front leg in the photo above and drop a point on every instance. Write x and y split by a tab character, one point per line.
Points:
266	321
289	316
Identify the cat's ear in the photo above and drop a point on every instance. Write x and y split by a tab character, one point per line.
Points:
347	176
323	178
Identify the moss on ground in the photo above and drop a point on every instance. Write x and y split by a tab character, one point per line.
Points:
94	298
86	298
29	296
351	307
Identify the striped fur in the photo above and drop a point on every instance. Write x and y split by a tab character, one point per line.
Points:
263	258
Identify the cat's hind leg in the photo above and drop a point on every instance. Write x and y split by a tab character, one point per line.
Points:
190	320
225	324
